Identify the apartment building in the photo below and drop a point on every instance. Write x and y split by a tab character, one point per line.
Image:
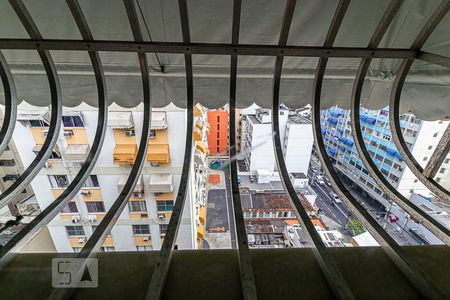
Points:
421	137
143	223
257	148
218	139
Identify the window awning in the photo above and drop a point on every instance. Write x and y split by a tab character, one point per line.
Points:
76	152
139	187
200	231
120	119
161	183
34	116
125	149
202	215
159	120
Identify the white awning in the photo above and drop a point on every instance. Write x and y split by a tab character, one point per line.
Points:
120	119
159	120
76	152
139	187
33	116
161	183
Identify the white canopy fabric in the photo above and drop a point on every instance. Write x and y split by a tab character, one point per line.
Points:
210	21
33	116
120	119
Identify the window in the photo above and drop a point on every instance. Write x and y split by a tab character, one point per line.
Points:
141	229
92	181
107	249
152	134
95	206
430	147
7	162
438	179
163	228
442	170
447	160
425	158
75	230
70	207
10	177
165	205
72	121
38	123
416	180
435	134
94	227
144	248
137	206
58	181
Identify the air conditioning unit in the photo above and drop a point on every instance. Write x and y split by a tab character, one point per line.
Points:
85	193
129	132
144	215
92	219
68	133
161	216
75	219
146	238
82	240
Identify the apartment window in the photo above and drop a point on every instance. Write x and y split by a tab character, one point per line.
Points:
416	180
447	160
430	147
435	134
10	177
75	230
38	123
72	121
163	228
94	227
152	134
70	207
141	229
76	249
92	181
442	170
107	249
137	206
144	248
438	179
58	181
165	205
425	158
7	162
95	206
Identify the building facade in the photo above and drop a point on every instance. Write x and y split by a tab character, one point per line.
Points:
143	223
218	138
257	147
421	138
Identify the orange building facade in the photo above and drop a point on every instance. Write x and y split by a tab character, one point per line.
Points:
218	138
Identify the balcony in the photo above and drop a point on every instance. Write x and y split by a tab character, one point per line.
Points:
125	154
76	152
158	148
202	147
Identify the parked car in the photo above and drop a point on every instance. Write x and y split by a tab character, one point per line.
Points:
327	181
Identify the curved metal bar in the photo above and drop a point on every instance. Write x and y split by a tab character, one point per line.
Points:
95	241
10	115
408	267
432	224
55	123
245	262
159	276
32	228
328	266
394	105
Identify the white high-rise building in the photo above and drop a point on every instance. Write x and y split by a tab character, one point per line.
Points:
257	147
143	223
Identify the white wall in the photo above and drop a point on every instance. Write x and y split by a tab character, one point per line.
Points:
298	148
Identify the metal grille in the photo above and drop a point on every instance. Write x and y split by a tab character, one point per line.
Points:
234	49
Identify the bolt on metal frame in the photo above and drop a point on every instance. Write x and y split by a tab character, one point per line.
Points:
407	266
